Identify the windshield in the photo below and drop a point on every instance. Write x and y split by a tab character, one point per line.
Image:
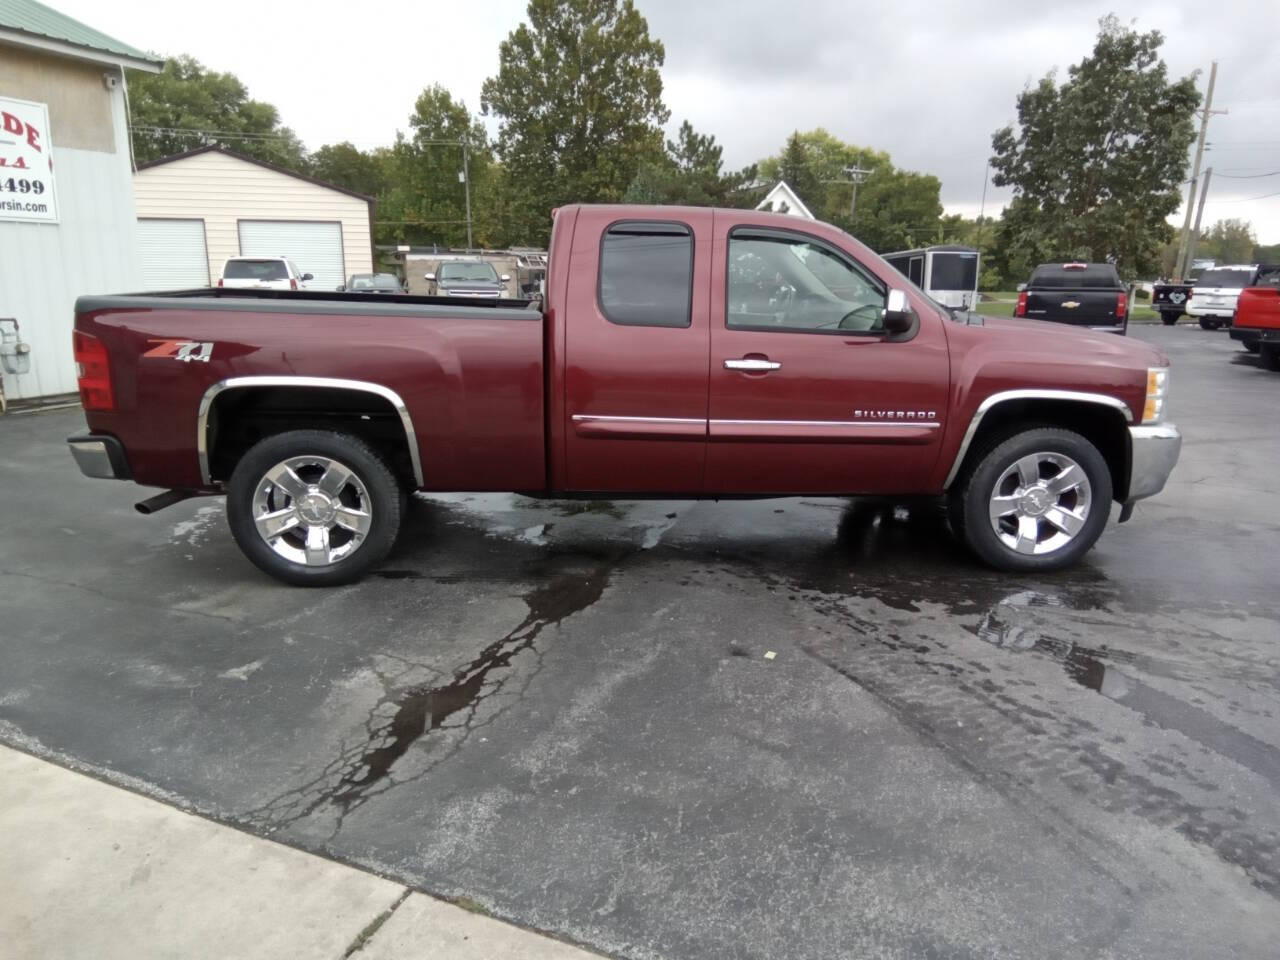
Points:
255	270
468	271
1225	278
379	281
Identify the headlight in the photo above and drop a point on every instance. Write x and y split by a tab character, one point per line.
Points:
1157	393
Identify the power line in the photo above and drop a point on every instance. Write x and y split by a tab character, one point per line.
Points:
1247	199
1249	176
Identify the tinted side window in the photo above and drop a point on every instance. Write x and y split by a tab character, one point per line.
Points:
646	274
792	285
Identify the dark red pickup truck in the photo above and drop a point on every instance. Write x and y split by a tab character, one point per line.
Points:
682	352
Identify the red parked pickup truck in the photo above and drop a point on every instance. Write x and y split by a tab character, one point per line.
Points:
680	351
1257	323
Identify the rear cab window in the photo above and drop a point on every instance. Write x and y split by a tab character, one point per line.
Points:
646	274
255	270
1091	276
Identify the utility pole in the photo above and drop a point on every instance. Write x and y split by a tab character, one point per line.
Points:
465	177
856	176
1180	265
1195	234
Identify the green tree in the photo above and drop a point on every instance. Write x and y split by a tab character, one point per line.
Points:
423	200
186	106
345	166
691	172
579	97
1228	241
896	209
1269	253
1097	163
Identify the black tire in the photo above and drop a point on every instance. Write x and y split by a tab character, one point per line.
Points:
1208	323
1169	319
386	505
971	497
1270	355
1253	346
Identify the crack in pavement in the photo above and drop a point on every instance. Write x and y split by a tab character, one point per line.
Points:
401	717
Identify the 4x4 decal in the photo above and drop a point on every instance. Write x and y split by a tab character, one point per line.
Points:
185	350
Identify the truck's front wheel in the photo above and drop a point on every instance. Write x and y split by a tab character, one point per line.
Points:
313	507
1208	323
1036	501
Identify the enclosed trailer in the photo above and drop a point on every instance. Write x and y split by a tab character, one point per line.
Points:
947	272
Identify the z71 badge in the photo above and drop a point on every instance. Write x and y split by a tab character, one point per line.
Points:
184	350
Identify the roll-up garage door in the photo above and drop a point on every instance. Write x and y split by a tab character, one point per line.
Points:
316	247
173	254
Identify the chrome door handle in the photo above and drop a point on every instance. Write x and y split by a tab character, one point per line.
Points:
756	365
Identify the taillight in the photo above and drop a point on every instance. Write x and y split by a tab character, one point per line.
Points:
1021	309
1122	305
293	284
93	372
219	281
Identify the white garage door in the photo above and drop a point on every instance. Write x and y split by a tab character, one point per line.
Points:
315	247
173	254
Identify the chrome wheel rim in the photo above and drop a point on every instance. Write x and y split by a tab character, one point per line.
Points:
312	510
1040	503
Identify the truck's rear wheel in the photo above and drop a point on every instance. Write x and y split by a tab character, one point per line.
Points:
1208	323
1270	355
1036	501
1169	319
314	508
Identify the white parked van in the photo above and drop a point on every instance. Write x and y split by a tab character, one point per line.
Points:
262	273
1213	298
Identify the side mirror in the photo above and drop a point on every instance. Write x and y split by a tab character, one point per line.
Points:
898	315
428	276
306	277
505	278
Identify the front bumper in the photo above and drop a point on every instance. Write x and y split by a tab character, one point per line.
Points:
100	456
1153	452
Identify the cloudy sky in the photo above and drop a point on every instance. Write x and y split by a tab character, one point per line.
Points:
926	81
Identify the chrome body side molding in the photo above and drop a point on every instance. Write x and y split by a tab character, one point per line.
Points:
332	383
1005	396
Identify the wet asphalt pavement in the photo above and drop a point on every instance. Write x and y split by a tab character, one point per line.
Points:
565	713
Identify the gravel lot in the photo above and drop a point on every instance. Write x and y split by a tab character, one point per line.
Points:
795	728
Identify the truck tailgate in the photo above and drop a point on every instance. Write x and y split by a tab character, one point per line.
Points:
1085	308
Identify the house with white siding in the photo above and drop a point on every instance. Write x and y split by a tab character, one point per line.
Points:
198	208
67	221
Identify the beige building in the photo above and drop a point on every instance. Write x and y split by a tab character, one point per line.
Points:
67	222
197	209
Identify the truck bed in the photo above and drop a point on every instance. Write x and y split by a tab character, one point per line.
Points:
465	379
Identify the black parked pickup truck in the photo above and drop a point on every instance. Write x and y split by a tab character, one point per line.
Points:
1081	294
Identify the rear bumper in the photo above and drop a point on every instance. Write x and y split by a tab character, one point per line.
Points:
1153	452
1223	312
1256	334
100	456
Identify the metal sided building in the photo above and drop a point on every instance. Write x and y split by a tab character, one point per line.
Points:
67	220
198	208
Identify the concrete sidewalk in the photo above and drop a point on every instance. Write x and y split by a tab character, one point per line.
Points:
92	870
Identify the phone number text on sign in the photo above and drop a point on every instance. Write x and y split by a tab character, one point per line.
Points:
26	163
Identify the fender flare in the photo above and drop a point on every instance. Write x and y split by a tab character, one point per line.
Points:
1070	396
330	383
